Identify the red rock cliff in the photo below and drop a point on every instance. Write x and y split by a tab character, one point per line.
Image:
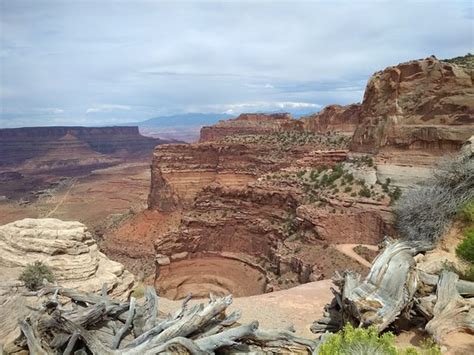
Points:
334	118
250	123
422	104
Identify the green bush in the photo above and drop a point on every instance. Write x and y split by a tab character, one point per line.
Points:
465	250
359	341
34	274
466	212
365	192
395	194
355	341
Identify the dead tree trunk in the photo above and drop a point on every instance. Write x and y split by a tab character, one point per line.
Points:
393	289
133	329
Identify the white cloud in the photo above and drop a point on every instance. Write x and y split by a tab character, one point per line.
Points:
260	86
51	110
265	106
108	108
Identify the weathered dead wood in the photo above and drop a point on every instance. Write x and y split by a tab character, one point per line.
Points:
145	318
464	288
451	312
126	326
226	338
71	343
34	344
395	288
98	324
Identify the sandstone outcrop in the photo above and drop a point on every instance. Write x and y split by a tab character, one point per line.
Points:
68	249
20	144
334	118
179	172
421	105
250	123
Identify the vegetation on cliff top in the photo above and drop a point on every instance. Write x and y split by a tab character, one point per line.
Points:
465	61
293	138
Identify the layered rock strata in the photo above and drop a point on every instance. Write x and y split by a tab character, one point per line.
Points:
272	228
423	105
179	172
250	123
19	144
68	249
334	118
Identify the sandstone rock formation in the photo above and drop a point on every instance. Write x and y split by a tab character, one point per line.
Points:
71	254
422	104
334	118
250	123
67	248
268	194
179	172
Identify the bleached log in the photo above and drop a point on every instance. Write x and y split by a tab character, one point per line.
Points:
464	288
96	326
145	318
451	311
34	344
126	326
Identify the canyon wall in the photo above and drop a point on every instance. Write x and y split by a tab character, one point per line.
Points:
425	105
333	118
20	144
180	171
269	228
250	123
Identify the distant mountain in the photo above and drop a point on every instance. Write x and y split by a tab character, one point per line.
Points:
187	119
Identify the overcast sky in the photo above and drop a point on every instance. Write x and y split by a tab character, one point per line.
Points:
96	62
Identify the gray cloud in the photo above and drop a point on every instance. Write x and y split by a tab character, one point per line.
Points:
92	59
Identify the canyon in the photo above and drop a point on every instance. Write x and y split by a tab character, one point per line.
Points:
269	192
73	172
264	205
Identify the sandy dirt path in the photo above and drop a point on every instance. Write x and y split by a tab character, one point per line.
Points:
348	249
65	196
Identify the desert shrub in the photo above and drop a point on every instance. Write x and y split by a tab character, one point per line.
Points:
348	189
365	192
300	173
395	194
466	212
348	177
34	274
362	341
385	185
424	213
359	341
465	249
